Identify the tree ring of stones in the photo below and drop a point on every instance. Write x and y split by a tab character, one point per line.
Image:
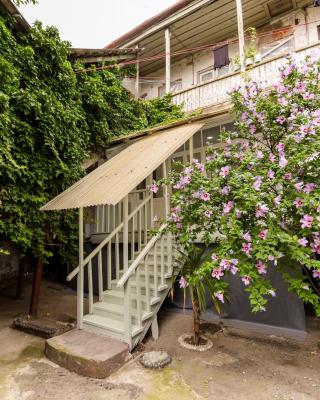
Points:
155	359
202	347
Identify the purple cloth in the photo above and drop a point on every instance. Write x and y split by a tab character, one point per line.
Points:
221	56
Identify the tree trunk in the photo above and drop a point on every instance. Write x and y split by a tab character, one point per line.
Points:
35	296
196	316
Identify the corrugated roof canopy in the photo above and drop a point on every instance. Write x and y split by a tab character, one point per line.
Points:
114	179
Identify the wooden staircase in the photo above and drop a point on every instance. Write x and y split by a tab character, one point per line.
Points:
145	298
134	271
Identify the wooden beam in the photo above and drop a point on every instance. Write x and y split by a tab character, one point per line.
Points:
241	34
168	60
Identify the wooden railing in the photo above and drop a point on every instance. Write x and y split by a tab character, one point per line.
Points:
217	90
139	272
134	237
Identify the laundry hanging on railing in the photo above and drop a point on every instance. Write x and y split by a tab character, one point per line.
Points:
221	57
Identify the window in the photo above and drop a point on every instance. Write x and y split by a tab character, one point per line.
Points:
205	76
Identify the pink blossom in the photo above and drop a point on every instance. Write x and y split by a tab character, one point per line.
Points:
316	274
306	221
257	183
200	167
154	188
247	237
259	155
219	296
299	186
283	162
188	170
226	190
263	234
309	187
271	174
178	225
246	280
262	210
183	283
281	120
224	171
224	264
208	213
227	207
217	273
303	242
205	196
280	148
246	248
315	247
277	200
233	269
214	257
261	267
272	157
252	129
238	214
287	176
298	202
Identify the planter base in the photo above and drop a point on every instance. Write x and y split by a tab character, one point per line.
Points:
183	341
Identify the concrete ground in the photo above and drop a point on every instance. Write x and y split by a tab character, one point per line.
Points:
239	366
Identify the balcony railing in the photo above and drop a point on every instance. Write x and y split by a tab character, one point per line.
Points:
217	90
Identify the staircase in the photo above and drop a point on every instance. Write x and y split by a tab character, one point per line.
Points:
136	287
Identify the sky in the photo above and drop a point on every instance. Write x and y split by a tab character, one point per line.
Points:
93	23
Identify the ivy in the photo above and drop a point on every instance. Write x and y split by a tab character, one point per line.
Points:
52	115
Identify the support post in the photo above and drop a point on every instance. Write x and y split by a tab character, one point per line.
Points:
241	35
191	148
168	60
80	274
125	233
165	190
149	183
137	85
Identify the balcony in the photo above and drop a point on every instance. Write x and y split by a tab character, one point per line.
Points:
216	91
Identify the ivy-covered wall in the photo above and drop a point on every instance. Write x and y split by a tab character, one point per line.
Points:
52	115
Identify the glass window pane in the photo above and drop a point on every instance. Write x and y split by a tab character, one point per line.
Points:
211	135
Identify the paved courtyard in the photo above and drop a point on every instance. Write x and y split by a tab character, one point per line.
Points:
239	366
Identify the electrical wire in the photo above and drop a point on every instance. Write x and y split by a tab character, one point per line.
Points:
192	49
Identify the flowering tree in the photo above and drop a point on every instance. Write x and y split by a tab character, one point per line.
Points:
258	198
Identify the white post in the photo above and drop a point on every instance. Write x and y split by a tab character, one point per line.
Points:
137	85
168	60
149	183
80	274
165	191
241	35
191	148
125	233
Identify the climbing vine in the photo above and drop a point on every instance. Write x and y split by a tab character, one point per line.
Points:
51	118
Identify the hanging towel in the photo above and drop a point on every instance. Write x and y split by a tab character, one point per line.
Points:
221	56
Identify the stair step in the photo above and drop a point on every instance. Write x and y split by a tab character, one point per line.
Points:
116	311
118	295
110	324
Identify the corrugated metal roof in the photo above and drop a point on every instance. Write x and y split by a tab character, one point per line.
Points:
113	180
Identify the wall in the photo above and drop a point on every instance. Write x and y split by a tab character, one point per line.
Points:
187	69
9	264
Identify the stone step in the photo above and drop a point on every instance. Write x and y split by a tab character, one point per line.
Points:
87	353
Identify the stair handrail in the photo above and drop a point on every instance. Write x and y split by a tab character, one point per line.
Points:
107	239
140	257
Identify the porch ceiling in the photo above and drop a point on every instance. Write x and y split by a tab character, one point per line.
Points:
210	24
113	180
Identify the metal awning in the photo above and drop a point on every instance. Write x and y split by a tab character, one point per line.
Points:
114	179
